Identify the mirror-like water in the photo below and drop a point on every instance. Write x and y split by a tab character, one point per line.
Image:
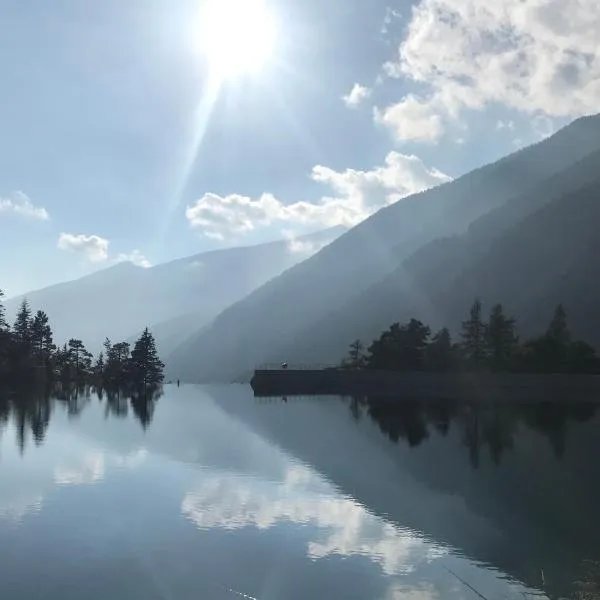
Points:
209	493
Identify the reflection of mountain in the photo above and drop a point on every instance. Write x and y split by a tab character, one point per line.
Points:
521	510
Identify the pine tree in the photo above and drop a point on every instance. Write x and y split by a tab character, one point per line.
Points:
3	323
356	357
23	323
80	357
474	334
558	329
4	339
99	366
440	355
501	337
41	337
146	366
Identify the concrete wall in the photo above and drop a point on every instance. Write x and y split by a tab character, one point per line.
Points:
465	386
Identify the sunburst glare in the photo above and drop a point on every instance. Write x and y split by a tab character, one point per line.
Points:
237	37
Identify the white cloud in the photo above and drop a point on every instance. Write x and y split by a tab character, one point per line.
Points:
19	203
538	57
355	195
412	119
358	94
510	125
93	247
543	126
303	246
135	257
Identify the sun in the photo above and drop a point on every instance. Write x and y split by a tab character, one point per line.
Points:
237	37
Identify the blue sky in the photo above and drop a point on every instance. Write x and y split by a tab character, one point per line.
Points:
116	146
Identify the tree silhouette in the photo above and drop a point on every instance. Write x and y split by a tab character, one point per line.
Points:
474	336
440	354
41	338
80	357
502	339
146	367
356	358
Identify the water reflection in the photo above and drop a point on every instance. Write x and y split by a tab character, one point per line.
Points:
482	425
206	493
30	408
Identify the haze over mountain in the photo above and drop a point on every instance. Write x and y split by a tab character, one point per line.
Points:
488	233
179	297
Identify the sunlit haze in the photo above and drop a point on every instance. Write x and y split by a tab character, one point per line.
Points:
148	130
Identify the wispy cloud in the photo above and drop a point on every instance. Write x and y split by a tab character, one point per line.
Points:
135	257
357	95
20	204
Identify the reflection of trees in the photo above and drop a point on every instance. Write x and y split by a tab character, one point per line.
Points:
142	401
30	409
482	425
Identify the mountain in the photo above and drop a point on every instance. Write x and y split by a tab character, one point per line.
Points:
311	312
517	254
177	297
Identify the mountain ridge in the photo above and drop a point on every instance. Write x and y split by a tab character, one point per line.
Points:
264	326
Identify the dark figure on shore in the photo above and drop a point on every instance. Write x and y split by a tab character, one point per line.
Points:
178	383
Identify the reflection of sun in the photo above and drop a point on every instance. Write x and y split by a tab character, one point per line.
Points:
236	36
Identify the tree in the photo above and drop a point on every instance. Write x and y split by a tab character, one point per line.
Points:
558	329
99	366
4	338
146	366
356	357
20	349
401	347
41	337
23	323
116	365
474	336
3	323
80	357
501	338
440	355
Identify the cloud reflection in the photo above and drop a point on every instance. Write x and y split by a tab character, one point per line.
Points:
230	501
89	468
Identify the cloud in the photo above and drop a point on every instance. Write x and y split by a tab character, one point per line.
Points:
135	257
93	247
304	246
411	119
355	195
19	204
358	94
538	57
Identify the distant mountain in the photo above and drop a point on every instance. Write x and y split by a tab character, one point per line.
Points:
375	273
178	297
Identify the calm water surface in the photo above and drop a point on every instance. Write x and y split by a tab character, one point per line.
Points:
209	493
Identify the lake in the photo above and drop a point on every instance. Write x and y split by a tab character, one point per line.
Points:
209	493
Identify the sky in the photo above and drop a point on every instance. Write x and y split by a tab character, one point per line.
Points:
148	130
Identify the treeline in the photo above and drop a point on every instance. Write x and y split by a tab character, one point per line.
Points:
490	344
28	353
